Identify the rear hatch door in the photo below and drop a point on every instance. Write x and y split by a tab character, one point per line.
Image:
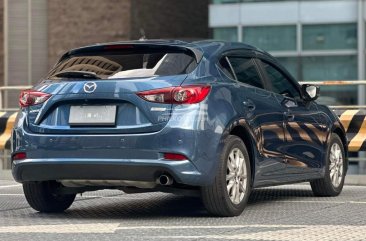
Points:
94	92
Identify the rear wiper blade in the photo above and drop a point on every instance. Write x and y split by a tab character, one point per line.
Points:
77	74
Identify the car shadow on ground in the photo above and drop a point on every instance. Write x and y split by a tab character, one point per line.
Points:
265	195
156	205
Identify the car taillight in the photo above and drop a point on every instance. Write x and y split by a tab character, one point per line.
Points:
19	156
177	95
32	97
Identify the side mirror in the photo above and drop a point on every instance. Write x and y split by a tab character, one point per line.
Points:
310	92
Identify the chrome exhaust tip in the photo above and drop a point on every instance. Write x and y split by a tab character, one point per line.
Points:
165	180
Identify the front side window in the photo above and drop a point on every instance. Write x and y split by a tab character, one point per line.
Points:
279	82
246	71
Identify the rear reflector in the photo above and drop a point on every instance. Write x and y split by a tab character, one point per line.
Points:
32	97
191	94
19	156
175	157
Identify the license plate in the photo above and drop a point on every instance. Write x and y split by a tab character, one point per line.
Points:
93	115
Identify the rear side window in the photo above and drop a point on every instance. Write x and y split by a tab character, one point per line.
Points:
246	71
112	65
225	67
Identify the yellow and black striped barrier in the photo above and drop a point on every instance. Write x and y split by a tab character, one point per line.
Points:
353	120
7	120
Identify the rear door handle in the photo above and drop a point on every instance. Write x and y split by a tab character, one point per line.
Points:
290	117
249	105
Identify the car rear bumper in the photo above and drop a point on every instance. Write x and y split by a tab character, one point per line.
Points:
98	169
138	156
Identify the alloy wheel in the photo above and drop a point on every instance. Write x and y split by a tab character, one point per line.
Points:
336	165
236	176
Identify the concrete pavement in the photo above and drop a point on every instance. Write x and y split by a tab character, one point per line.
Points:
288	212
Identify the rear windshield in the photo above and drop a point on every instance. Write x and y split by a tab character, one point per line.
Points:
107	65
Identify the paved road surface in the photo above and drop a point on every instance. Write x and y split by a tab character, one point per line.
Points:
278	213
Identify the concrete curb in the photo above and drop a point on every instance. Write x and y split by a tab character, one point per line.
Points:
359	180
355	180
6	175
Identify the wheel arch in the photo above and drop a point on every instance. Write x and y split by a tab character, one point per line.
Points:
240	129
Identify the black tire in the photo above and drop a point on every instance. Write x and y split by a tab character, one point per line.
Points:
41	197
216	196
324	187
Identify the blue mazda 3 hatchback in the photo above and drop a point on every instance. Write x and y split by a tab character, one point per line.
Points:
210	118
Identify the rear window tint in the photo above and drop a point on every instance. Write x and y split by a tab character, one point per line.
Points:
225	67
120	66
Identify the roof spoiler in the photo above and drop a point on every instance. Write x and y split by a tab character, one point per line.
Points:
133	47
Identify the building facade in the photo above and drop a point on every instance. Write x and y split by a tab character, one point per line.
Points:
35	33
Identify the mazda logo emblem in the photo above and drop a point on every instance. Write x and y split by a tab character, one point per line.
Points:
90	87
